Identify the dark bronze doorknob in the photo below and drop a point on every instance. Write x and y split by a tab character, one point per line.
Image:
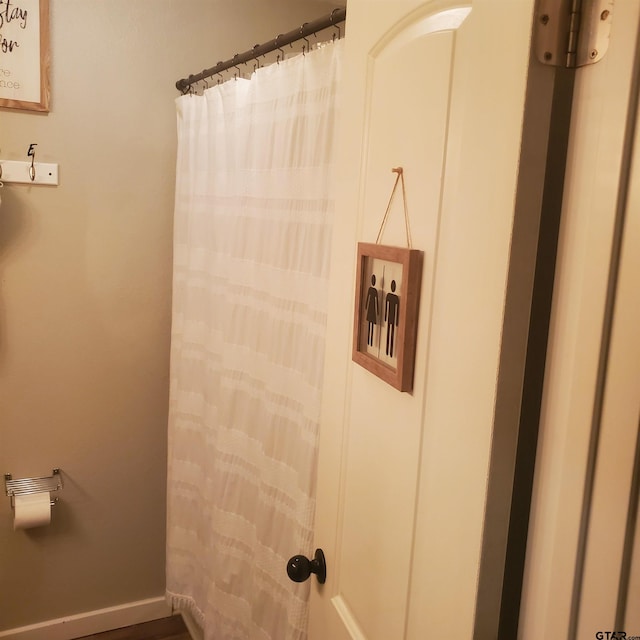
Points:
300	568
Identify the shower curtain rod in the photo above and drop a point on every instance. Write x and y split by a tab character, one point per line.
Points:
308	28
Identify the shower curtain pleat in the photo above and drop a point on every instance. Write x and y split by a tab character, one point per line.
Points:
253	213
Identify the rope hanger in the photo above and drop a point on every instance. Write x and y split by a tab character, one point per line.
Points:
399	178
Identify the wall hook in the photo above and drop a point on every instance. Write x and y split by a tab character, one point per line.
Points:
26	171
32	153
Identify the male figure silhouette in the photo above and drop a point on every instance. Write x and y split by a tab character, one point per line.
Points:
391	316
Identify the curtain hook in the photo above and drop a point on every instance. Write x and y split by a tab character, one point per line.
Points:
279	49
32	153
336	26
304	38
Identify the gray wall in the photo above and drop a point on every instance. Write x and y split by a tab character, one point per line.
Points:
85	293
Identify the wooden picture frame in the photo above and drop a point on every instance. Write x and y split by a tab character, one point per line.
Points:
25	56
385	322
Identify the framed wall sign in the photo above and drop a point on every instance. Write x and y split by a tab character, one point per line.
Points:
24	54
386	312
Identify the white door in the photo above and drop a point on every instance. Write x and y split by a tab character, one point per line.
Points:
440	89
583	565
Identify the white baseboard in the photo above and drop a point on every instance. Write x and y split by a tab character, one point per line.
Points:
85	624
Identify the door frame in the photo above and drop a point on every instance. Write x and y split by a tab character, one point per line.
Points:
501	594
523	354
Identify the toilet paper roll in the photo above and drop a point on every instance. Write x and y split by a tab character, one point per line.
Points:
32	510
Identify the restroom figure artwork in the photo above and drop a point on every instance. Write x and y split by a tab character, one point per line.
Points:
372	310
380	318
385	318
392	317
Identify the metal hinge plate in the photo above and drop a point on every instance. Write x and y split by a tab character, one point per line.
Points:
572	33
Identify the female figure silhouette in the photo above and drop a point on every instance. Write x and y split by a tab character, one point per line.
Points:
371	307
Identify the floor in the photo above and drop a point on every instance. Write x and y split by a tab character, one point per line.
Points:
165	629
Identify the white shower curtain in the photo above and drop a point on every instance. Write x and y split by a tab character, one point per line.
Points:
251	256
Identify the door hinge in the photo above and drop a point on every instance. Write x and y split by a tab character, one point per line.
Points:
572	33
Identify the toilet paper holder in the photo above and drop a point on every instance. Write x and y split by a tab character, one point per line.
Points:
24	486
